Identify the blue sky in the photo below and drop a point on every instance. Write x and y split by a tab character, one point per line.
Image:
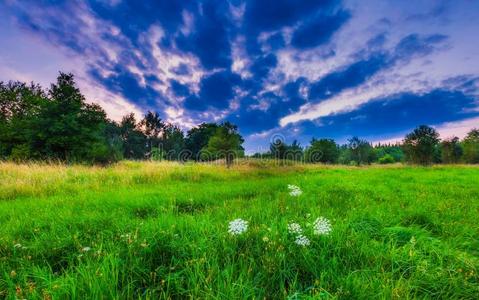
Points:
297	69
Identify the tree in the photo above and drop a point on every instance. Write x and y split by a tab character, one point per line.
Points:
471	147
173	142
451	151
322	150
134	141
420	145
197	138
225	143
361	151
20	105
153	127
278	149
294	151
386	159
394	151
67	128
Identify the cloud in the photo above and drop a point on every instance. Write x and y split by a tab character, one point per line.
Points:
301	68
319	30
216	91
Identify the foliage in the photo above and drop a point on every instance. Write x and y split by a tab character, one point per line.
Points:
197	138
134	140
361	151
451	151
322	150
56	125
225	143
471	147
153	127
278	149
60	125
386	159
395	151
420	145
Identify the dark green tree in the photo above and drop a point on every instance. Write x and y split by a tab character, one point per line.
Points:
361	151
20	105
67	128
225	144
278	149
451	151
153	127
322	151
394	151
197	138
173	143
471	147
294	151
134	141
420	146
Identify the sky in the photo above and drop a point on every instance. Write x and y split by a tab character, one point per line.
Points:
278	69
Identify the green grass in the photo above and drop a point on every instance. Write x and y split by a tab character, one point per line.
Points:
160	230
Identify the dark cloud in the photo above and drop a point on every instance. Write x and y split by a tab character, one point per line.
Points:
216	91
201	38
210	40
262	66
395	114
318	30
350	77
415	45
128	84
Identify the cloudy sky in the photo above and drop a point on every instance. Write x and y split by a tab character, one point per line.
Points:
298	69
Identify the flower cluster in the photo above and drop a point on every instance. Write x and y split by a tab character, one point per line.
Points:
322	226
295	228
294	190
237	226
302	240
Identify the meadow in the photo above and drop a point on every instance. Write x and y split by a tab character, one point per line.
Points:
161	230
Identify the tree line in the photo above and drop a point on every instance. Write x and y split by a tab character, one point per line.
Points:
58	124
421	146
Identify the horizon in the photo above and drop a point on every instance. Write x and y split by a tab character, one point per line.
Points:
332	69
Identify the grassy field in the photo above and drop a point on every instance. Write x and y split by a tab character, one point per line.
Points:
160	230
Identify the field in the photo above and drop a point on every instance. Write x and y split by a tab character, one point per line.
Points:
160	230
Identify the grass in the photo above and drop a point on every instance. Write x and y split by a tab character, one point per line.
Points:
160	230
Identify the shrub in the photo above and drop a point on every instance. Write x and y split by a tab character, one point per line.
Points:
386	159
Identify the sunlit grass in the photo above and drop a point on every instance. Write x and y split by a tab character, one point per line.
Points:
149	230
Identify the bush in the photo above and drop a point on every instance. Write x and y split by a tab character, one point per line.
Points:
386	159
20	153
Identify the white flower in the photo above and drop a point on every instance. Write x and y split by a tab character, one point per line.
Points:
301	240
237	226
86	249
294	190
322	226
295	228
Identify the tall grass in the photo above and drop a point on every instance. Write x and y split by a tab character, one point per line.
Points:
160	230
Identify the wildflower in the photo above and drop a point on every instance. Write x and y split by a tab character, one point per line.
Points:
265	239
295	228
322	226
294	190
85	249
302	240
237	226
